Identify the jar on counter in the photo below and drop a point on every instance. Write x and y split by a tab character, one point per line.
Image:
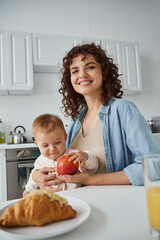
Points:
2	132
152	126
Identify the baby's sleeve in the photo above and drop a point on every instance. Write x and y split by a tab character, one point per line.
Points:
91	164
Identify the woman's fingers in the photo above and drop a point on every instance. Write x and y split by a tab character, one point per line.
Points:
82	178
52	188
45	177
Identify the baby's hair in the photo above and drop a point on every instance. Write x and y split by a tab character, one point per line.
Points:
47	122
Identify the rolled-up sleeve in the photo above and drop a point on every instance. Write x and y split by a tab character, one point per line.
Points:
140	142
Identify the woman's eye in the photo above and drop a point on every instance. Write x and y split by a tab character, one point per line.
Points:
91	67
74	71
58	143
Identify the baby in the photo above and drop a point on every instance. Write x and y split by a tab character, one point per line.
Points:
50	137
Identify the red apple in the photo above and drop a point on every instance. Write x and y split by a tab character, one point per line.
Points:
66	167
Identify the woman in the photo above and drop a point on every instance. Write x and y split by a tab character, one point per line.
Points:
102	122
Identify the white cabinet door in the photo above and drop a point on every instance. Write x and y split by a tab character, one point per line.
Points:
49	50
113	50
127	57
3	65
131	67
20	64
3	177
86	40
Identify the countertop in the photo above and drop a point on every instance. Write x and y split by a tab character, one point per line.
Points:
14	146
32	145
117	212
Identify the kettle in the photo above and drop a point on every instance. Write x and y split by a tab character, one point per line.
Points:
18	137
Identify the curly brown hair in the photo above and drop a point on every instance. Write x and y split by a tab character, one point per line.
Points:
74	102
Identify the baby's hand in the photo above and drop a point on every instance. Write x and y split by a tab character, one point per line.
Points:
79	157
25	193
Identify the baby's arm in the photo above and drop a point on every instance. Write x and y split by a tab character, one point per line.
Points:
91	164
86	160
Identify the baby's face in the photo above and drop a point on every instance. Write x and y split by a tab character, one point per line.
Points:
53	144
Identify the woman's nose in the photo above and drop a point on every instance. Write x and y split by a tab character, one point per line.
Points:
83	73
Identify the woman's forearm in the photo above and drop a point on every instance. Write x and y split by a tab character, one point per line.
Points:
114	178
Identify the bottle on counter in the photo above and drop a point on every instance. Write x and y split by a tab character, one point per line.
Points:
2	132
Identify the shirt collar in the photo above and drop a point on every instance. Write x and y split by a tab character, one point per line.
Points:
104	109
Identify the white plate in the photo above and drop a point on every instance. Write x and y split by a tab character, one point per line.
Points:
52	229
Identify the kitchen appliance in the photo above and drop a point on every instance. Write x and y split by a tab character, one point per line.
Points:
18	137
19	163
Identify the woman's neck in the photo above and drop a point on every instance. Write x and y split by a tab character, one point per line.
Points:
91	116
93	105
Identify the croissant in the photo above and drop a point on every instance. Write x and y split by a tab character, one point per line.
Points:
37	208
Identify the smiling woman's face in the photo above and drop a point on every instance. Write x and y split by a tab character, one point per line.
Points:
86	75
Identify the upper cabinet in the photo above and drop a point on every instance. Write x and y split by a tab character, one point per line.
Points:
113	50
23	53
127	57
16	63
131	67
88	40
49	50
3	65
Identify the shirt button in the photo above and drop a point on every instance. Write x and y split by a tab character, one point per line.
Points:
101	116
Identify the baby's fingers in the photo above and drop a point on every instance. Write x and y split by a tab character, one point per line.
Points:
74	157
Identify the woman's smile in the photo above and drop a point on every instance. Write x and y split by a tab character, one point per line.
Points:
85	83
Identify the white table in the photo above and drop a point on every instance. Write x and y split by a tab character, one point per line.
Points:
117	213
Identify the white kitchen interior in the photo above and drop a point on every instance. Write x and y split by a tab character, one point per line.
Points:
34	36
29	28
120	20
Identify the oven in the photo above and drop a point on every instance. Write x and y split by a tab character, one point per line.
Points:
20	163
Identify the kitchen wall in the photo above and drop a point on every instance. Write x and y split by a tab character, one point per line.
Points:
130	20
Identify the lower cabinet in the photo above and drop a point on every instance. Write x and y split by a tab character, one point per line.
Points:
3	182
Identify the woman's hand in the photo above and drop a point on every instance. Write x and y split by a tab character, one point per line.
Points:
81	178
45	179
114	178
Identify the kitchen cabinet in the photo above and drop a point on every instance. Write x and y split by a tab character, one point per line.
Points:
49	50
87	40
127	57
131	67
3	66
3	164
113	50
3	183
16	63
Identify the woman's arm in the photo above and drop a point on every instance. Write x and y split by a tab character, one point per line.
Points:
115	178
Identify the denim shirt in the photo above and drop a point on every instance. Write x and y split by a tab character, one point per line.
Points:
126	136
